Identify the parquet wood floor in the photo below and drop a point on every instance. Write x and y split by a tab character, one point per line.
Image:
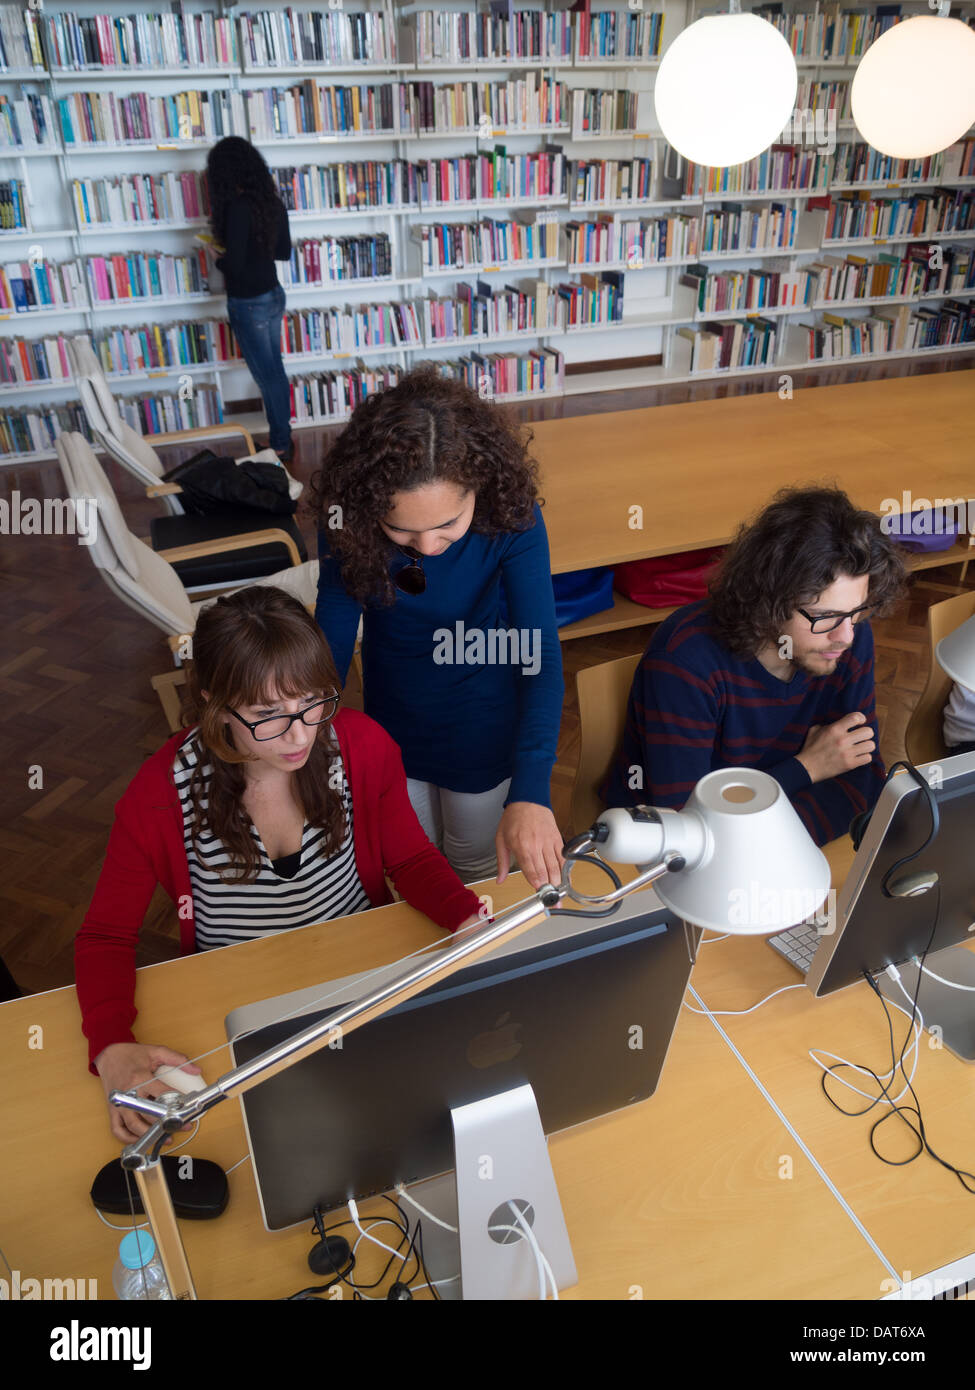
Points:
78	715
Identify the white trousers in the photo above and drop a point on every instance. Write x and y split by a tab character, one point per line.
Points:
462	825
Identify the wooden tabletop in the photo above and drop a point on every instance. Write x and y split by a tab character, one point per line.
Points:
688	1195
699	469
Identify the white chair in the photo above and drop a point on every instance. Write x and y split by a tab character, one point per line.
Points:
131	449
142	577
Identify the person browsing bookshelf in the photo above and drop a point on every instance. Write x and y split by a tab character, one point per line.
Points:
431	532
250	223
274	810
774	670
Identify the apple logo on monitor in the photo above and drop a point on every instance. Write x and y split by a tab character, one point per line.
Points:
499	1044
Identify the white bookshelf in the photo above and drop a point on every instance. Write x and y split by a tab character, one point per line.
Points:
653	301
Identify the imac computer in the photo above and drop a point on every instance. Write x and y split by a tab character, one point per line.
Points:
576	1015
927	905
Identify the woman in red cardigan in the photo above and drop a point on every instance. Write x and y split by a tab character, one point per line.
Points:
272	812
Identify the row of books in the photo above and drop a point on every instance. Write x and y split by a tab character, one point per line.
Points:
829	32
832	278
598	112
33	429
837	336
330	260
106	118
347	329
146	347
26	122
535	100
491	241
540	372
824	96
27	286
140	40
493	174
620	34
290	38
449	37
140	275
853	216
860	163
328	396
730	291
363	183
169	197
793	168
734	227
953	323
595	299
780	168
914	273
13	205
612	180
478	311
615	241
20	37
716	346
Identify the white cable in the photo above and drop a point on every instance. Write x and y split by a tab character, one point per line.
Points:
354	1213
952	984
917	1023
728	1013
428	1214
540	1259
516	1230
709	940
112	1226
238	1163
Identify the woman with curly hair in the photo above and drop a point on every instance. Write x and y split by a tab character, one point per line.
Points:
250	221
428	520
272	812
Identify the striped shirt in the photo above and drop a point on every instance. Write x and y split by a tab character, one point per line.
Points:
695	707
226	913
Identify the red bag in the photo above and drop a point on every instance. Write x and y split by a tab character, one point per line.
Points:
666	581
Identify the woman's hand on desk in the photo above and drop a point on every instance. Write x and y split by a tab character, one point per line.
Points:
123	1067
528	834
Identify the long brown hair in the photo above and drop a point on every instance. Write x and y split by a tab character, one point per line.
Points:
427	429
247	646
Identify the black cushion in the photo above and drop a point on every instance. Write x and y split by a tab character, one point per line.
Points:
232	566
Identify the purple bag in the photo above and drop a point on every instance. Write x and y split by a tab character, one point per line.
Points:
928	530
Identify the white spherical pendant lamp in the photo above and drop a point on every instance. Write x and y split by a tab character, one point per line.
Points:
725	89
914	91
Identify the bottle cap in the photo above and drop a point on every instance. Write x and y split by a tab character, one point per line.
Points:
136	1249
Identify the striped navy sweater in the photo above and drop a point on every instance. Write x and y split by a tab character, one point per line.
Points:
694	707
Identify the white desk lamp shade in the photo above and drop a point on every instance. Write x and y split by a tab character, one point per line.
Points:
913	93
760	871
956	654
725	89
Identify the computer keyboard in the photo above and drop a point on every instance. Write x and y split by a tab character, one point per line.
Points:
798	945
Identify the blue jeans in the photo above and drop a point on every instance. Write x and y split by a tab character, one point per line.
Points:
257	327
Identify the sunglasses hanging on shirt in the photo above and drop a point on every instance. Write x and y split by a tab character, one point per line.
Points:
411	578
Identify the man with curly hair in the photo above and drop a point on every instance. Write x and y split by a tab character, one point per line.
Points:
774	670
430	530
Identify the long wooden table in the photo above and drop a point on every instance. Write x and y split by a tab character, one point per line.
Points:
683	1196
698	470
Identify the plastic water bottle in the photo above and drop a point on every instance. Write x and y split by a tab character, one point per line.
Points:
138	1272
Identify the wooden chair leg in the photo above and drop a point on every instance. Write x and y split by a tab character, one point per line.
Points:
165	687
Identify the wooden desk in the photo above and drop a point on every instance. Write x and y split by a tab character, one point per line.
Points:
680	1197
918	1215
699	470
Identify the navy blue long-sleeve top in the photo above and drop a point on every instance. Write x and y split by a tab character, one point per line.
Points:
694	707
470	696
248	267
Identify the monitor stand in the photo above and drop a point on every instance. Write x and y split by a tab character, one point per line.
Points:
951	1011
500	1155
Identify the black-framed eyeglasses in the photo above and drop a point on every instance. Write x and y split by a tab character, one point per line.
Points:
828	622
411	579
277	724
